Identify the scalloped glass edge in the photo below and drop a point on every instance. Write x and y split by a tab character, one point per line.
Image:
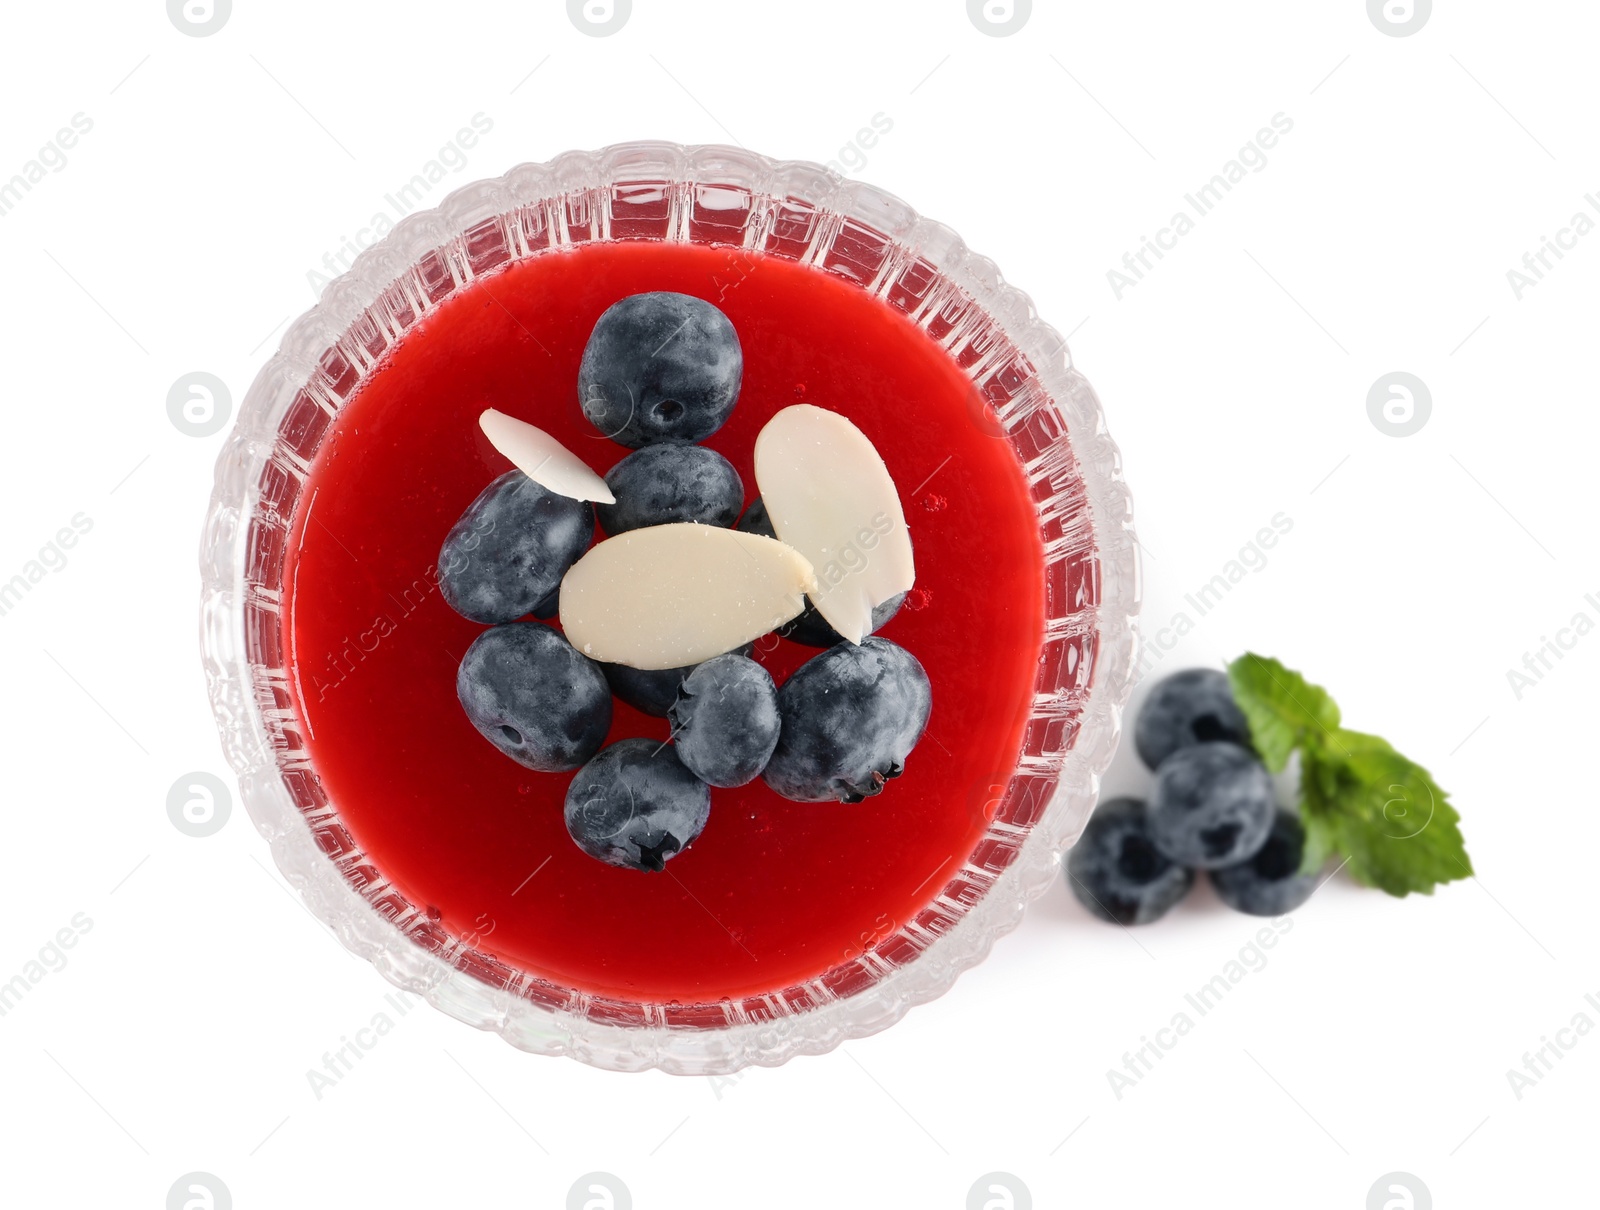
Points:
570	200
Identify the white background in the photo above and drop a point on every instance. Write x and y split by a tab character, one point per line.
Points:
219	170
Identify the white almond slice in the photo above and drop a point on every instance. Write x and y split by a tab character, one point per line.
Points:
543	459
670	595
830	496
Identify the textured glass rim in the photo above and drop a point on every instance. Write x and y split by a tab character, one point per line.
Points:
1017	364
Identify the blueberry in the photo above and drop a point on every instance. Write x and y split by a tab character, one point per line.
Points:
811	630
809	627
1116	871
756	520
506	555
635	805
725	720
1195	706
851	716
664	483
660	367
1212	805
652	691
535	697
1270	883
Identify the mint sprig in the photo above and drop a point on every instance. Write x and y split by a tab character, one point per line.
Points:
1358	796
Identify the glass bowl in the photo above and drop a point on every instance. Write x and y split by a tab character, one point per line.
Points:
1024	391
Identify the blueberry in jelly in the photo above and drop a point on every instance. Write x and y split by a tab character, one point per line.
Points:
531	694
1116	871
725	720
1213	805
664	483
660	367
811	630
635	805
651	690
506	555
850	717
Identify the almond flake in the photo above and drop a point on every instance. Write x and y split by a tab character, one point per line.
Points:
667	596
830	496
543	459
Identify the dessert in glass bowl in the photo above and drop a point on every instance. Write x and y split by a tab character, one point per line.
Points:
334	639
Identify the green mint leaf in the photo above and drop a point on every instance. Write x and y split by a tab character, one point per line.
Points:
1392	823
1385	813
1321	842
1284	710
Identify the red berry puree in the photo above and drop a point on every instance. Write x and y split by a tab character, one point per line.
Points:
773	892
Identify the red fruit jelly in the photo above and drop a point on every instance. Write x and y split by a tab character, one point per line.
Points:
773	892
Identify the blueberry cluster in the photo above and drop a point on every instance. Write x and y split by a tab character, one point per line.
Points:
661	372
1212	809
